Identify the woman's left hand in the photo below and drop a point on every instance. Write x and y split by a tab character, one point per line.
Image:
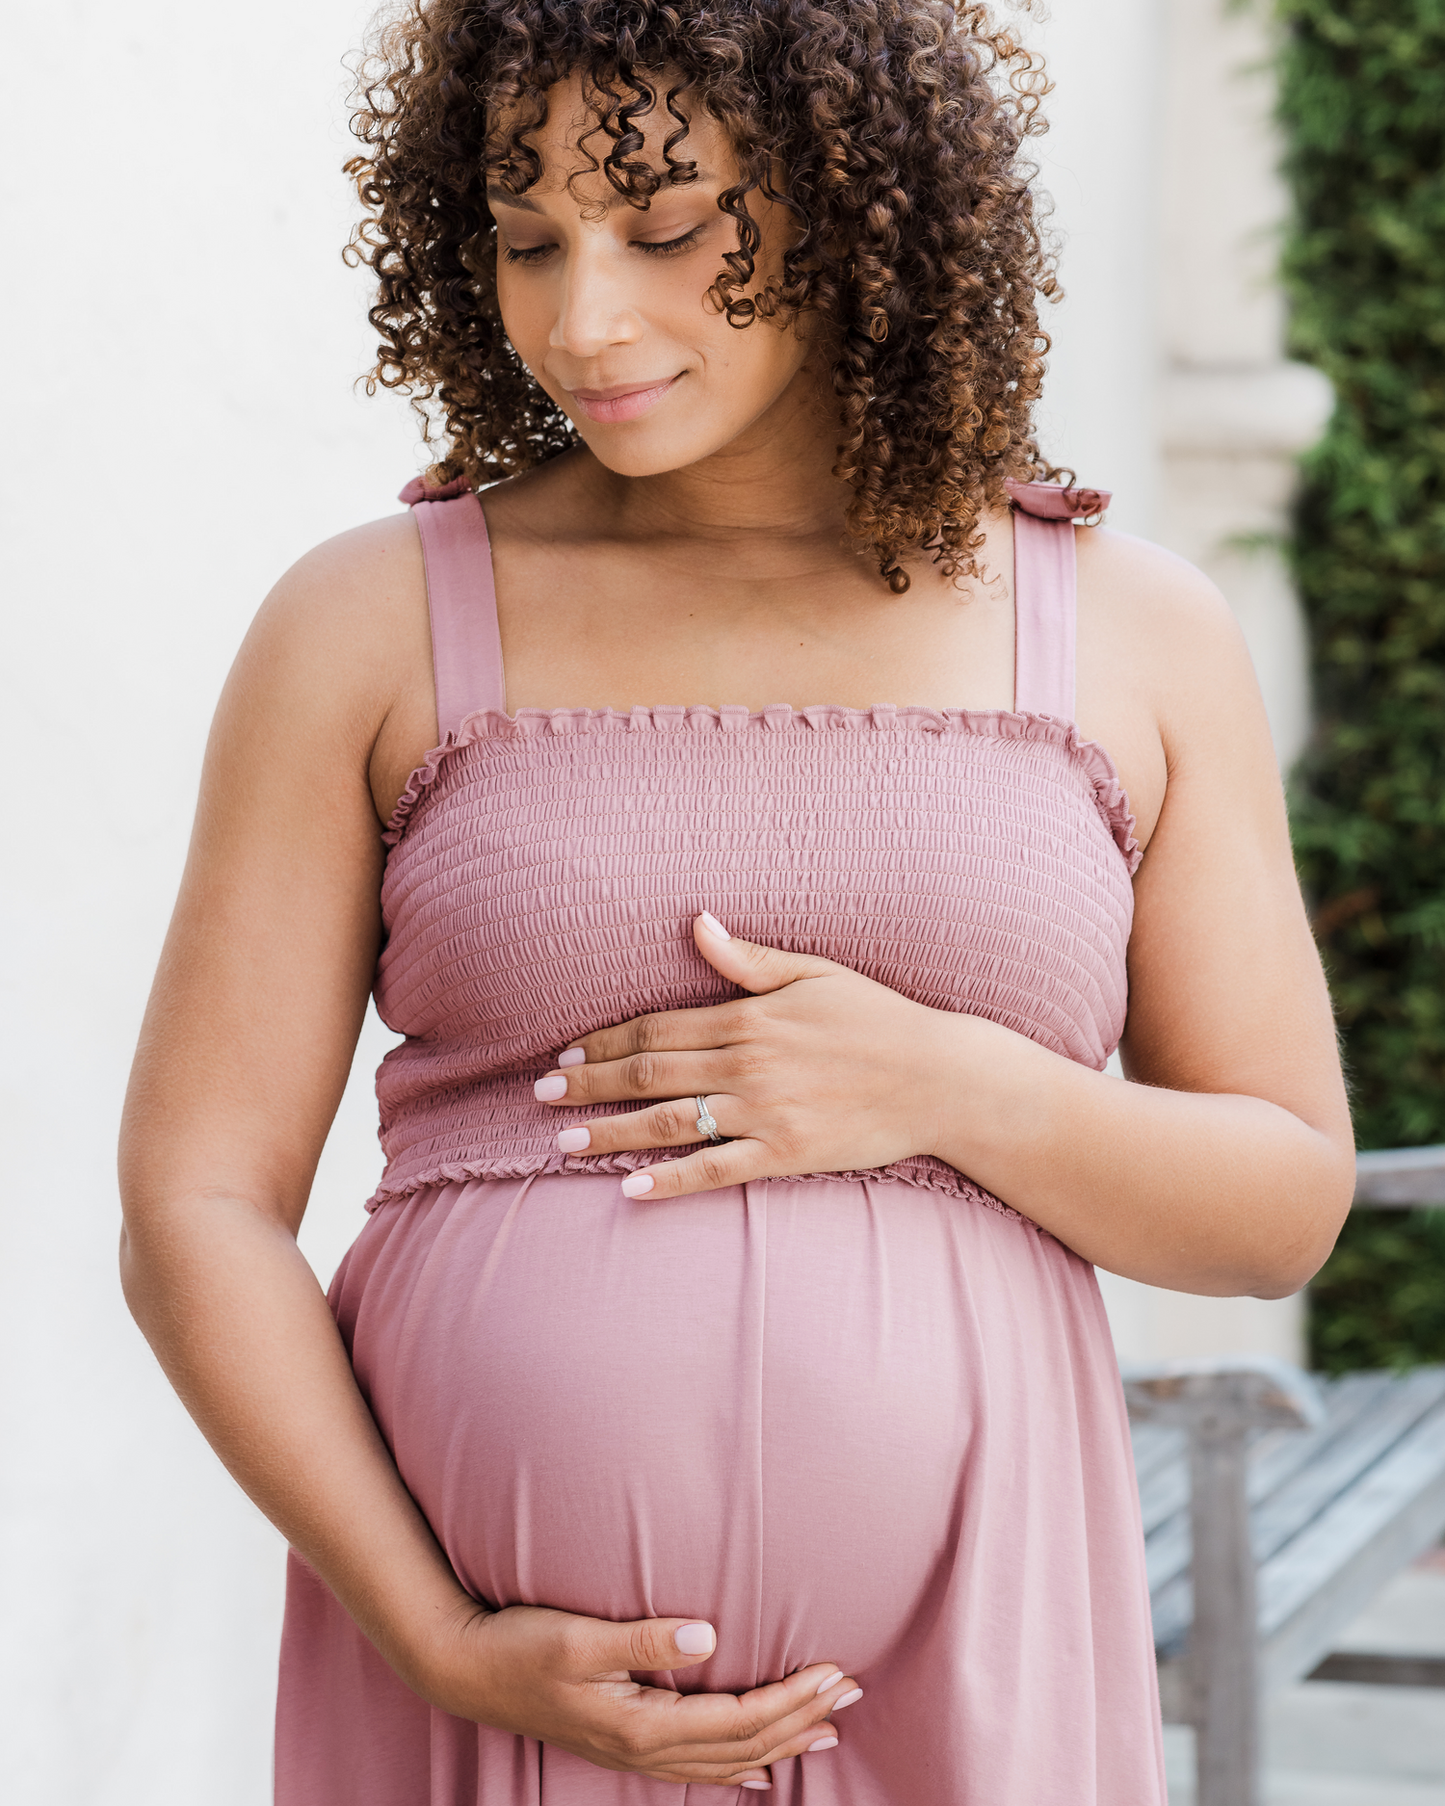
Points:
819	1070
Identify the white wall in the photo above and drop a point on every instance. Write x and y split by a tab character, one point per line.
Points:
181	425
1099	165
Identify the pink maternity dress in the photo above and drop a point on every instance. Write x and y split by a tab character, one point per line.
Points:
871	1417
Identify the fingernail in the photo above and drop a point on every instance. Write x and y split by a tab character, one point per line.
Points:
847	1700
549	1090
695	1639
828	1680
573	1056
572	1141
759	1786
713	925
823	1743
636	1184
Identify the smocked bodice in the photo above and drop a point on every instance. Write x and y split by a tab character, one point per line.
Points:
545	870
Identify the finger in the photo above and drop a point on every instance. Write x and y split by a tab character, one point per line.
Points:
756	969
650	1645
711	1168
709	1025
641	1075
735	1731
669	1125
802	1731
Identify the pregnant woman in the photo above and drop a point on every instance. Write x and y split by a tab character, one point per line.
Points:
756	809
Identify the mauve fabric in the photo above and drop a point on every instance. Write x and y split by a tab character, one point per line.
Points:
871	1417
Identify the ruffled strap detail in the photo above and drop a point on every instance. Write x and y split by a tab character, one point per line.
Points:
1052	501
420	490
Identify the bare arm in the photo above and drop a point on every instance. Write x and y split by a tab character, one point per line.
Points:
243	1056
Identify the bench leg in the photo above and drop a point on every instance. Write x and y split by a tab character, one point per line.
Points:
1217	1403
1222	1657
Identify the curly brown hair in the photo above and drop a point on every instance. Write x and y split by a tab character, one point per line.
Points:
898	126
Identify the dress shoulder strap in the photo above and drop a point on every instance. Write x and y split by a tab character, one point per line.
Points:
1045	593
461	595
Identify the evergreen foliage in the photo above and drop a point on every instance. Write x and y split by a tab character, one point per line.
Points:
1363	101
1362	98
1380	1301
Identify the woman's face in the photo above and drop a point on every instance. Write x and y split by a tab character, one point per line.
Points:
606	303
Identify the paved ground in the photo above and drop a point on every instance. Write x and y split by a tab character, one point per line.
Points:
1332	1744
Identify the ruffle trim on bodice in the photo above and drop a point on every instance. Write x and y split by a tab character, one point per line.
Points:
781	717
921	1170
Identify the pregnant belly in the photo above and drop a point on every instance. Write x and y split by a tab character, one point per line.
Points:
789	1408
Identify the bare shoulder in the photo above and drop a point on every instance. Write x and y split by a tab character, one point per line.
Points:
1165	678
1165	632
337	662
1135	586
351	602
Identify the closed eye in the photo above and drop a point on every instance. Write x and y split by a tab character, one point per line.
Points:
527	254
667	247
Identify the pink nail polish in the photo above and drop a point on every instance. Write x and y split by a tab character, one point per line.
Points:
823	1743
714	926
847	1700
549	1090
828	1680
760	1786
636	1185
573	1056
695	1639
572	1141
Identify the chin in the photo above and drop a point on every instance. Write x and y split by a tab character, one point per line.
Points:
648	453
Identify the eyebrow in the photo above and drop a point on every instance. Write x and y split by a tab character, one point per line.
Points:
503	197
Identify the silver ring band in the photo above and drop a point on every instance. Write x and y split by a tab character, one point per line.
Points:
706	1121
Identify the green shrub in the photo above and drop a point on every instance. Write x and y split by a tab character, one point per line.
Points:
1362	99
1381	1300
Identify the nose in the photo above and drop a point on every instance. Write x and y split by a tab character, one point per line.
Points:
595	308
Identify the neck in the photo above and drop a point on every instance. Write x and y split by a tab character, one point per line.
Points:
773	482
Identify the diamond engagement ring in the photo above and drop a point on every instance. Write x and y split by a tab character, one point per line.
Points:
706	1122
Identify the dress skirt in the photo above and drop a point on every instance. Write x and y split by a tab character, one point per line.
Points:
842	1420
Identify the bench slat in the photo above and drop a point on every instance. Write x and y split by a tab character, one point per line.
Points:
1155	1446
1275	1457
1339	1466
1164	1496
1293	1486
1347	1401
1314	1586
1400	1176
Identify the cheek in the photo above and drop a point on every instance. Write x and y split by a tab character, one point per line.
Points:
519	306
756	363
527	313
756	357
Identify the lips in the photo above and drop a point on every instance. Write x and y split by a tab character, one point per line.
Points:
608	406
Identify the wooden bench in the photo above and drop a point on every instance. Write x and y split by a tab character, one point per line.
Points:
1275	1506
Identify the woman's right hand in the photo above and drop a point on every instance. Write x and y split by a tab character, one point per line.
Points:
567	1681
